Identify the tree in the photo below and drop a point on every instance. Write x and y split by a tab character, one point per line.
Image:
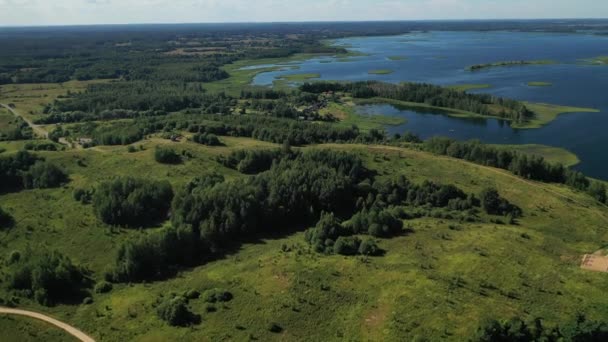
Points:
347	245
132	202
369	247
6	220
166	155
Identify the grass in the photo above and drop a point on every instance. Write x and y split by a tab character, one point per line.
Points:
550	153
539	84
23	329
380	72
439	282
299	77
7	122
546	113
30	99
397	58
466	87
347	117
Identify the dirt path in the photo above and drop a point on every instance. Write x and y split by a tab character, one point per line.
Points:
36	128
63	326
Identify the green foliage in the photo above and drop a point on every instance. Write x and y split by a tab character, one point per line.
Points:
369	247
323	236
493	204
482	104
44	175
378	223
207	139
6	220
103	287
132	202
347	245
175	311
48	277
217	295
165	155
250	161
530	167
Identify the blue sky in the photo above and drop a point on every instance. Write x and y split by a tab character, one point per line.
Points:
59	12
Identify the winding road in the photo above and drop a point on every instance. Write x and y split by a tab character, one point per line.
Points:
63	326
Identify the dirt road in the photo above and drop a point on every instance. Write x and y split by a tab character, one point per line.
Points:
65	327
36	128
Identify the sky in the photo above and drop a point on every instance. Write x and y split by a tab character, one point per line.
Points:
76	12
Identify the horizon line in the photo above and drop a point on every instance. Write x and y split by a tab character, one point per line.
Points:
299	22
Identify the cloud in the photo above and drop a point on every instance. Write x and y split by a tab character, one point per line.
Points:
54	12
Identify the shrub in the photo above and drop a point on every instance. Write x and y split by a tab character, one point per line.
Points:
166	155
208	139
50	277
275	328
369	247
103	287
44	175
6	220
175	312
217	295
347	245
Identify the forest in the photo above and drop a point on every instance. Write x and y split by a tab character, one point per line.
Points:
173	198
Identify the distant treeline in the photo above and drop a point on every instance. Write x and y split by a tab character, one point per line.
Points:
482	104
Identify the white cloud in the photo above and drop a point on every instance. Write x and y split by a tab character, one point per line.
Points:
45	12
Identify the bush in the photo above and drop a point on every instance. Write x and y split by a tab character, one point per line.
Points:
44	175
369	247
208	139
493	204
175	312
103	287
217	295
6	220
166	155
87	301
50	277
275	328
347	245
327	230
132	202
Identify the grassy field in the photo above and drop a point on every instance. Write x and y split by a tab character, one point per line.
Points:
539	84
381	72
438	282
30	99
551	154
7	121
348	117
22	329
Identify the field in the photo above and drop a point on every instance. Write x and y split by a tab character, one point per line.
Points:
19	329
546	113
438	281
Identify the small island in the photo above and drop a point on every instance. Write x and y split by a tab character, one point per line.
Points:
477	67
539	84
397	58
600	60
380	72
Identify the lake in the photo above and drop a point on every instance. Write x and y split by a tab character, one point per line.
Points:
442	58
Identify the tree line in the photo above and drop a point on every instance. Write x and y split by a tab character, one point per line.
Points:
482	104
529	167
24	170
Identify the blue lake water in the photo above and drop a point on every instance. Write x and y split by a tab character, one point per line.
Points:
442	57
